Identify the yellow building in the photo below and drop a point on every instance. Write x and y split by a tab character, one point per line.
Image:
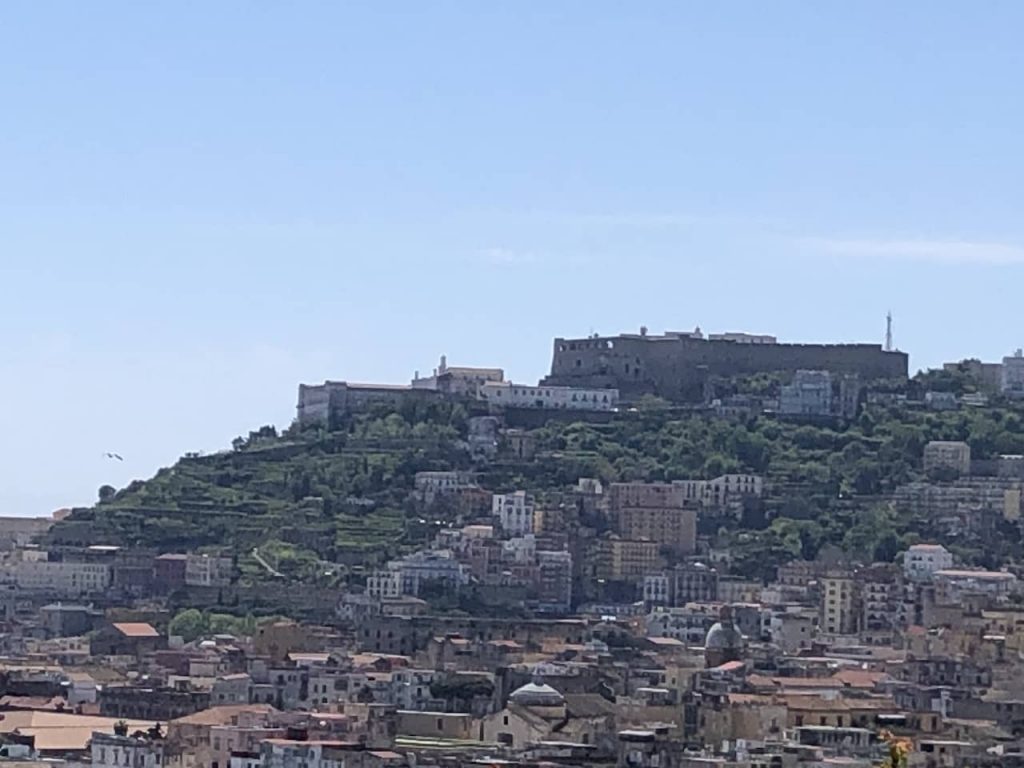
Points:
838	614
659	512
622	559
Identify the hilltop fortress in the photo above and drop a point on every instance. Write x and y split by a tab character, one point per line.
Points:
594	373
676	365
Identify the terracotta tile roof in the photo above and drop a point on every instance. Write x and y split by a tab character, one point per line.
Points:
59	731
860	678
751	698
136	629
223	715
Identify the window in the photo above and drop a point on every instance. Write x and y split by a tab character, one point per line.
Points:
440	723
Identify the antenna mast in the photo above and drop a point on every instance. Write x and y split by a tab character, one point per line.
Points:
888	331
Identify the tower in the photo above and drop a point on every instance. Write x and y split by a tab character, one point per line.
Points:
888	331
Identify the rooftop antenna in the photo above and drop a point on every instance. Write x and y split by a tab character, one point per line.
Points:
888	331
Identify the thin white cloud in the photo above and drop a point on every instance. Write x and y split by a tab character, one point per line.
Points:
936	251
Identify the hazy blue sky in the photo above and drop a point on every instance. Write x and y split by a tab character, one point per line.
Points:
204	203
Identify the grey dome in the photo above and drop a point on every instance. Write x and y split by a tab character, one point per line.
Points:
537	695
723	637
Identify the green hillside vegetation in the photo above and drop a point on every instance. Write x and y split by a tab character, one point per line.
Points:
309	500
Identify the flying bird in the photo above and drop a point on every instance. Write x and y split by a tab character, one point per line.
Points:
113	456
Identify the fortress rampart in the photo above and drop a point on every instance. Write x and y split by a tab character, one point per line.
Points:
676	367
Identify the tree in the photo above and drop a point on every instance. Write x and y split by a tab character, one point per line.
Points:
188	624
107	493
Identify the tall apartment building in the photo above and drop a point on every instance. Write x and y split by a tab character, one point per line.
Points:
657	512
554	587
880	598
514	511
839	615
621	559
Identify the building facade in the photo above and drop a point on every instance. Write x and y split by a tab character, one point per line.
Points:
838	606
677	366
627	560
954	455
509	395
921	561
655	512
1011	382
61	578
514	512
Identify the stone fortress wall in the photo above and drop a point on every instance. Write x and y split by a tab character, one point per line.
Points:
676	367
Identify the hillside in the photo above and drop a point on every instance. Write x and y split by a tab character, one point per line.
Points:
308	500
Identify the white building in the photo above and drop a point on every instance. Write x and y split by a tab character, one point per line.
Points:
411	688
408	574
1012	381
922	561
521	549
110	751
951	585
514	511
722	490
743	338
810	394
382	584
509	395
656	589
431	485
207	571
688	624
61	578
458	380
738	485
245	760
81	688
280	753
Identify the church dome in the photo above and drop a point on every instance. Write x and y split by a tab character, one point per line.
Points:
537	695
724	643
723	637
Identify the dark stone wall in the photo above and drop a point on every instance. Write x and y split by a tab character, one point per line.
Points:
677	368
